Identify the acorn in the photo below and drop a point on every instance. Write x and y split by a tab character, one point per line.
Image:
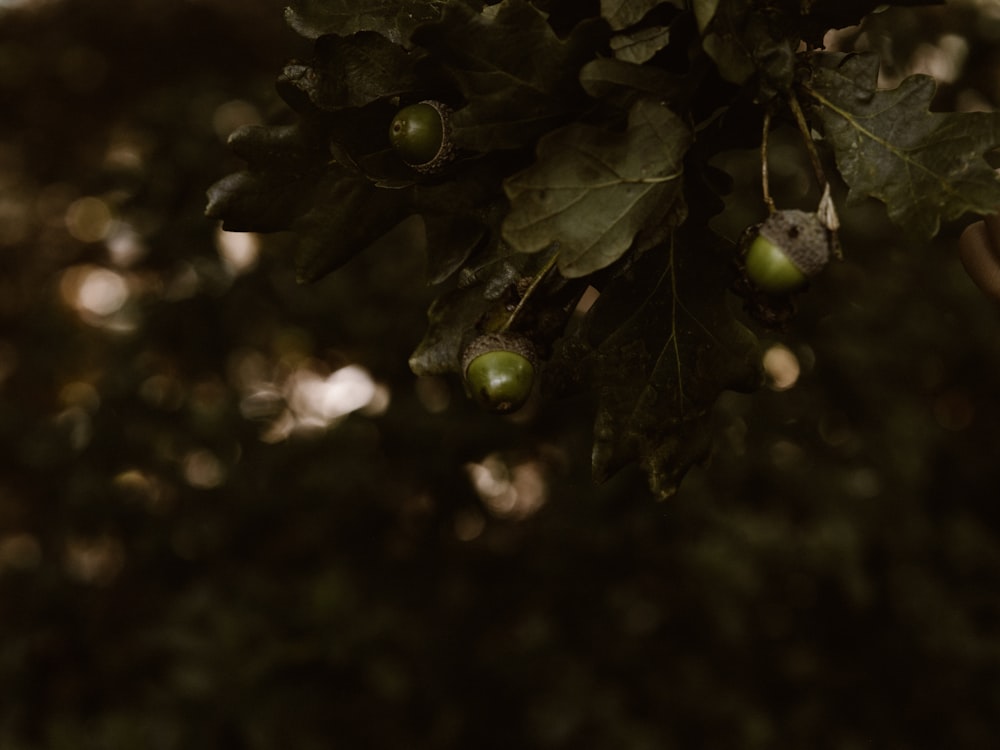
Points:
790	248
499	371
421	135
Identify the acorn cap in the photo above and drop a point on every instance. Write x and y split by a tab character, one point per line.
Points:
801	236
503	341
446	148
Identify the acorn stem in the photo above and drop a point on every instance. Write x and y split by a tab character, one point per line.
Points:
765	182
824	185
800	120
535	281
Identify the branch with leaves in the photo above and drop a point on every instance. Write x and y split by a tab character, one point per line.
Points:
575	142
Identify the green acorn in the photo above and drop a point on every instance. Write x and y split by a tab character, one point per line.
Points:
791	247
421	135
499	371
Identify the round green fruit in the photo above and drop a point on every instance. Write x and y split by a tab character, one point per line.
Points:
790	248
500	371
771	270
421	135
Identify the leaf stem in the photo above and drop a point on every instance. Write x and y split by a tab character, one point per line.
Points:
535	282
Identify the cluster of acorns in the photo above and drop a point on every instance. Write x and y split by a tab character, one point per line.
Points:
499	368
787	249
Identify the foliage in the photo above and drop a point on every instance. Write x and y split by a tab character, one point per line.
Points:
584	133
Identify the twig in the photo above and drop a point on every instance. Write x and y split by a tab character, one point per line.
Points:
800	120
538	278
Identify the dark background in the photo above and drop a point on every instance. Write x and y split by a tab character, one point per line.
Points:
192	556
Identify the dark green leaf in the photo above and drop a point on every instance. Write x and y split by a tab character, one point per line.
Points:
926	167
457	214
664	345
252	202
721	23
450	326
393	19
743	43
591	191
607	78
347	215
519	79
352	71
459	315
450	241
284	168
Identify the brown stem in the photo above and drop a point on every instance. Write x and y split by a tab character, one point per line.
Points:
800	120
765	182
538	278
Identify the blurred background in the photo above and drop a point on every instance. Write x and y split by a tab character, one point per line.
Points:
230	516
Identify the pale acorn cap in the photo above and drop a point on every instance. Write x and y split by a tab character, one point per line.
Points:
802	237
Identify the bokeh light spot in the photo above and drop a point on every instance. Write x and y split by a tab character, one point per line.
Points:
96	561
234	114
238	250
515	491
782	367
319	401
203	470
20	552
89	219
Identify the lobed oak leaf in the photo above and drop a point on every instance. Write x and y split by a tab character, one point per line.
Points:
591	191
926	167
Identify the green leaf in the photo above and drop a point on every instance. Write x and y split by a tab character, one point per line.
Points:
518	77
663	346
393	19
926	167
591	191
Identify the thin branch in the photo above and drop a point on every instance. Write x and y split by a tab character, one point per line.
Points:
538	278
